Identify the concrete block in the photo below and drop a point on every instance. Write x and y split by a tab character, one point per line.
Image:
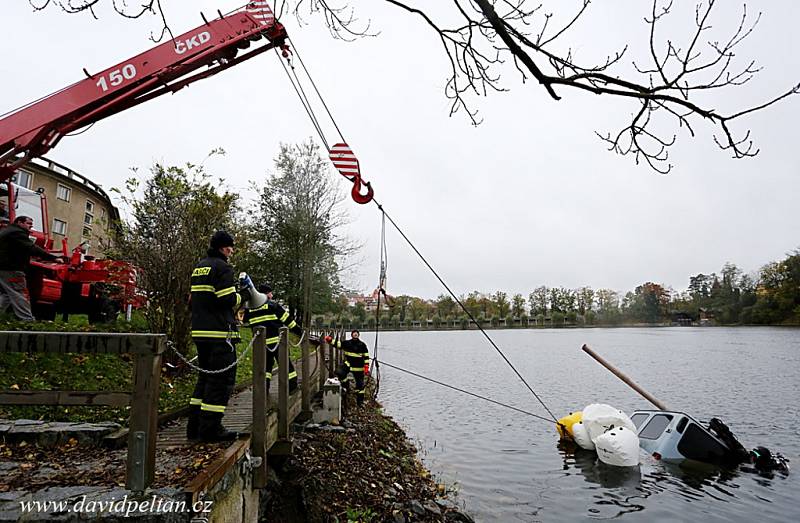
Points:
331	411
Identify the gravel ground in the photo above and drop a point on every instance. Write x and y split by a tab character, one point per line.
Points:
30	467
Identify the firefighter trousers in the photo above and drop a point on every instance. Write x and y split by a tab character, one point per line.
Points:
356	367
212	392
272	367
14	292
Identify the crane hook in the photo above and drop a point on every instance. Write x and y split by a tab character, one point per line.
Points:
356	191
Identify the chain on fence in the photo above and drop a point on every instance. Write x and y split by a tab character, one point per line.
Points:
188	362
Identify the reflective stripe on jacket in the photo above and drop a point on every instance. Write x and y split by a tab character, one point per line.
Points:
271	316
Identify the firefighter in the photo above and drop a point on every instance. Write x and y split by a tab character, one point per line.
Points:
357	362
214	300
272	316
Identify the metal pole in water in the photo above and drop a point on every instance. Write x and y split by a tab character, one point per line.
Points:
618	373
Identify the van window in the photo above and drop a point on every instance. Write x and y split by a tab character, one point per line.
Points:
655	426
638	418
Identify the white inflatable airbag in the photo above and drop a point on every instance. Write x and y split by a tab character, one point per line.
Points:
581	437
599	417
619	447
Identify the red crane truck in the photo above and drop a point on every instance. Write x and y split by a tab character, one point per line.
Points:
80	283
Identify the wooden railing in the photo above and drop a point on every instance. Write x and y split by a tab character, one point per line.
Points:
270	429
147	350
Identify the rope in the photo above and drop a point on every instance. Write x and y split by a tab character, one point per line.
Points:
471	317
376	370
319	95
304	101
217	371
469	393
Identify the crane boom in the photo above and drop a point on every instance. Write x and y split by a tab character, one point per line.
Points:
34	129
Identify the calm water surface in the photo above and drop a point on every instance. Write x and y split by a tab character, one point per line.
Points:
508	467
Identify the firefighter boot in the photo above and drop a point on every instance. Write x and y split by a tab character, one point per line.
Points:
193	421
210	428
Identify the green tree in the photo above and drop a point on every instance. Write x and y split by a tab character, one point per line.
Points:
473	304
399	306
538	300
501	304
517	306
607	306
649	303
419	309
172	216
445	306
296	240
585	300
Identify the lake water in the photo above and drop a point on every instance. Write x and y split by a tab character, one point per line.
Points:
508	466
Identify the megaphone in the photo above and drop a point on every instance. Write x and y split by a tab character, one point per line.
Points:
257	299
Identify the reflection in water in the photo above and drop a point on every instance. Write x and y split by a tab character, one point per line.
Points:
620	486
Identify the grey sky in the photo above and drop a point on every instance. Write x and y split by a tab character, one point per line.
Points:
529	197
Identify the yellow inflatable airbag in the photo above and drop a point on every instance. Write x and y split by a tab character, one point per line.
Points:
566	423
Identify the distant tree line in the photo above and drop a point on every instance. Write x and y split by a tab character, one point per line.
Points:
770	296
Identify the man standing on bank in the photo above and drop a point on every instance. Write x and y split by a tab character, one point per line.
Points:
214	300
357	361
272	316
16	249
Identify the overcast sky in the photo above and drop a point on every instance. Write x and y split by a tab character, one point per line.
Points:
530	197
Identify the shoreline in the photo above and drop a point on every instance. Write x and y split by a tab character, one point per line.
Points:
365	470
362	329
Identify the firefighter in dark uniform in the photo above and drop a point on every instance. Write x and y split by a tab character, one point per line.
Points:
214	300
272	316
356	361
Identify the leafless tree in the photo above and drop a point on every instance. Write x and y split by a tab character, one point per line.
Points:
481	37
145	7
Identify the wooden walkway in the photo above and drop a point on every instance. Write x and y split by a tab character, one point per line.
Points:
238	417
239	413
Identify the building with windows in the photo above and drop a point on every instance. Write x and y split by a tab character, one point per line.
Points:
369	301
77	208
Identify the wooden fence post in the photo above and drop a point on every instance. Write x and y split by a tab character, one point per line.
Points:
258	441
144	418
283	386
323	373
329	350
305	372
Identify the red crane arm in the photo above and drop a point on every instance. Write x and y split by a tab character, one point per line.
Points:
33	130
